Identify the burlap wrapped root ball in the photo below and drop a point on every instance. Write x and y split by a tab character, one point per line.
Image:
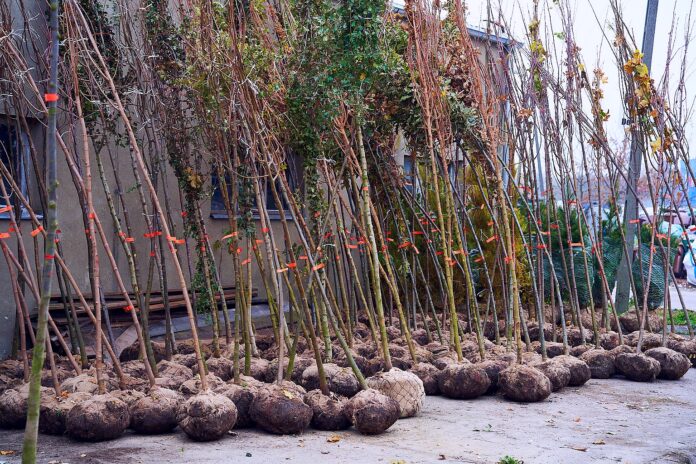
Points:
600	362
637	366
54	410
280	409
100	418
85	382
463	381
428	375
557	373
403	387
524	384
339	380
242	396
156	412
172	375
12	368
579	370
298	367
13	409
193	386
673	365
14	403
553	349
221	367
207	416
372	412
128	396
327	410
493	367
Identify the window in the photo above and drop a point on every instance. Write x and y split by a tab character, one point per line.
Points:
15	157
217	202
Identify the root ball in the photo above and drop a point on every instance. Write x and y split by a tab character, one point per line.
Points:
524	383
579	370
327	411
428	375
637	366
280	409
463	381
403	387
371	412
100	418
673	365
207	416
600	362
156	412
557	373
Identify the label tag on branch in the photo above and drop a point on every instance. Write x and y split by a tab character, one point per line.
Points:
50	97
317	267
246	261
5	209
233	234
492	238
37	231
4	235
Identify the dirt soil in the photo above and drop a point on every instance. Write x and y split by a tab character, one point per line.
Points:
604	421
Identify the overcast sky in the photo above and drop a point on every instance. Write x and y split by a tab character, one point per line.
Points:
595	51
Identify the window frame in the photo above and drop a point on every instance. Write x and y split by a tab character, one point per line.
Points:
19	153
273	213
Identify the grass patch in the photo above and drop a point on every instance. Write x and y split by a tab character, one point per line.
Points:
509	460
680	317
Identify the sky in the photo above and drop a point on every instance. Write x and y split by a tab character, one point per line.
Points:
593	20
589	35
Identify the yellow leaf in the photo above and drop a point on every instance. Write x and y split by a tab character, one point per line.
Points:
288	394
333	439
641	70
656	144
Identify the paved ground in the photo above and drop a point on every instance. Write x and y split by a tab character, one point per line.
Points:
603	421
688	293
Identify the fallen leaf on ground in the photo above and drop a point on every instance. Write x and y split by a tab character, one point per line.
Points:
7	452
579	448
333	439
599	441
